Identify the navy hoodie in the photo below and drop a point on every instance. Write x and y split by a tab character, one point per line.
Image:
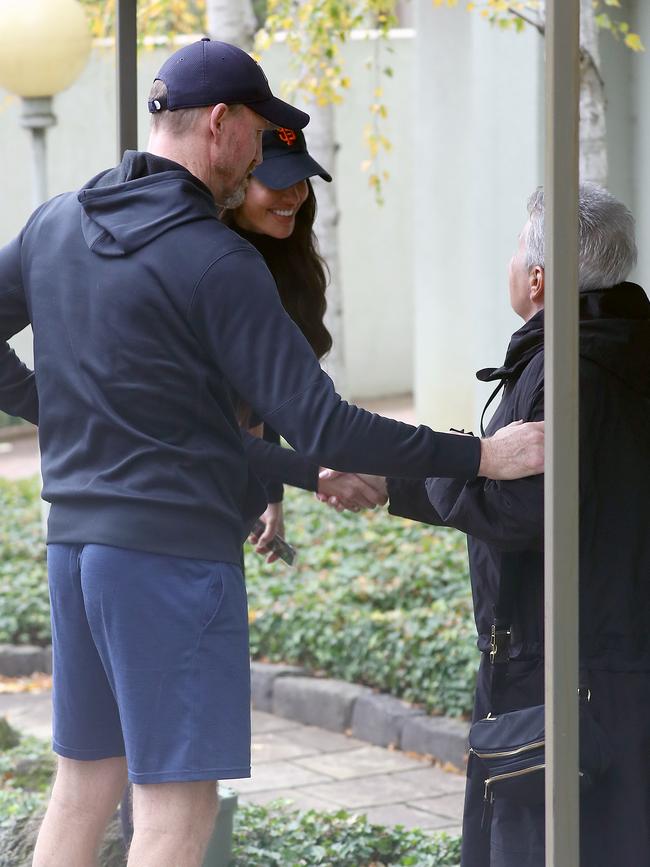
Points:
148	314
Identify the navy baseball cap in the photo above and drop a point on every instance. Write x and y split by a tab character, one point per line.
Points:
286	160
209	72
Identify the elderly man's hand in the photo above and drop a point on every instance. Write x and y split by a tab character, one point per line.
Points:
515	451
351	491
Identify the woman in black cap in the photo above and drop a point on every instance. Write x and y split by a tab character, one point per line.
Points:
277	218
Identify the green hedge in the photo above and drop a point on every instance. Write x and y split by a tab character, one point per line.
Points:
24	603
277	837
9	420
373	599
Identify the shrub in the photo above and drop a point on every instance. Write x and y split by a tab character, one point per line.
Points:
373	599
24	603
265	837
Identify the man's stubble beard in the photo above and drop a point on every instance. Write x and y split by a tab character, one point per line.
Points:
234	200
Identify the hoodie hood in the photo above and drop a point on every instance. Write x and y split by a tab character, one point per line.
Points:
614	334
132	204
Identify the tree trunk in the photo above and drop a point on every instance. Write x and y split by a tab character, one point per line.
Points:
593	130
321	143
232	21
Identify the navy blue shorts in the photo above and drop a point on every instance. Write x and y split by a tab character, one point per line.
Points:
150	661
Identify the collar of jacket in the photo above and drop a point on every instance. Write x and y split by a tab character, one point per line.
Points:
601	311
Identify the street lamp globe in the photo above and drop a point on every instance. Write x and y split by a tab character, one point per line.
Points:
44	45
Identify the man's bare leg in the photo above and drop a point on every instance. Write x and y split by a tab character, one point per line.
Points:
84	797
172	823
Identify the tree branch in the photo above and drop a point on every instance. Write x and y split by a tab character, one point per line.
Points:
586	57
536	24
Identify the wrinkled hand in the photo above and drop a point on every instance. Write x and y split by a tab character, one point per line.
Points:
273	518
514	452
351	491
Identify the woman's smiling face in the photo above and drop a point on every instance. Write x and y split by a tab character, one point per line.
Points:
271	212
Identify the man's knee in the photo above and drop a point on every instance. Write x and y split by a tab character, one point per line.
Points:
174	806
87	784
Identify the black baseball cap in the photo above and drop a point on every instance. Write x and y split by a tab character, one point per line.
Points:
209	72
286	160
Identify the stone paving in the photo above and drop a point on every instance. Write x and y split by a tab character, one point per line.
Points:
316	769
18	456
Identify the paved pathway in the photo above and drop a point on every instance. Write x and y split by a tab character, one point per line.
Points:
315	768
18	457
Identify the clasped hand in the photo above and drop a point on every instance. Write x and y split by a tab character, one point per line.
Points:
352	491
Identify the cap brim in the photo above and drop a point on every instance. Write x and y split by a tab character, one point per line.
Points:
285	170
280	113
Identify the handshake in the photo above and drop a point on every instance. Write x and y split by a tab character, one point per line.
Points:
352	491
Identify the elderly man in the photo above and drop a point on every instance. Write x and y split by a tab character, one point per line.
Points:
148	315
504	523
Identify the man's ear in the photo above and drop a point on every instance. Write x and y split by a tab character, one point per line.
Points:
217	116
536	285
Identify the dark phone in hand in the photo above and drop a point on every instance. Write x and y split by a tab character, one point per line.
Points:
277	545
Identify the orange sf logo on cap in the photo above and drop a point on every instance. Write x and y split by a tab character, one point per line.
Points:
288	136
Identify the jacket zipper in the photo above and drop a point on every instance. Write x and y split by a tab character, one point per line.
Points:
509	775
488	797
498	755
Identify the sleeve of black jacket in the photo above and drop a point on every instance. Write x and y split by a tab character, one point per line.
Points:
18	396
508	515
408	498
238	317
275	466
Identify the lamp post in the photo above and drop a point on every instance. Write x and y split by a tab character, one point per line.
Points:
44	45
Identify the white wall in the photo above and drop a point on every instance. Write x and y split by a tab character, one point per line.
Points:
478	155
627	79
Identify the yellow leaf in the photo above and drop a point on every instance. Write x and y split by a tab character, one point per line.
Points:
613	3
633	41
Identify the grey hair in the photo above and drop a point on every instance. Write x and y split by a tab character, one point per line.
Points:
175	122
607	247
181	120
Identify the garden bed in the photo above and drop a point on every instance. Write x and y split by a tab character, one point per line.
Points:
263	836
373	599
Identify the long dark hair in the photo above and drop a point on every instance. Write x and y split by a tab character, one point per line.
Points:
299	271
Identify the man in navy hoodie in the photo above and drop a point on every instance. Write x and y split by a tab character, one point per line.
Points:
148	316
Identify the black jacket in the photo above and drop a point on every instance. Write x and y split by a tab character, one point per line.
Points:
505	519
148	314
614	488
